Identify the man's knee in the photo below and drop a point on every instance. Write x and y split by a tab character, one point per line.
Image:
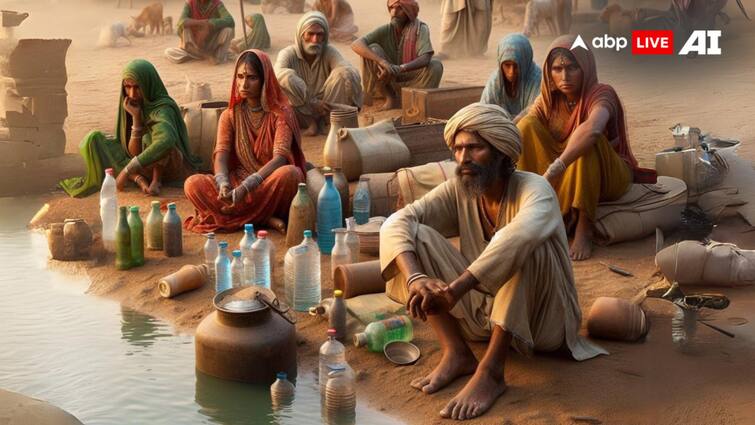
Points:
225	35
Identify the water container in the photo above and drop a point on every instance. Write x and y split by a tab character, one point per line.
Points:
155	227
328	215
301	216
352	239
362	201
223	277
108	210
172	232
684	329
282	391
248	263
307	286
377	334
289	276
210	251
331	352
261	257
340	395
237	269
246	242
340	253
123	259
337	317
137	237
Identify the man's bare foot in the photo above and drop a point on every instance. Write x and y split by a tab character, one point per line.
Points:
310	128
143	184
154	188
581	246
452	365
482	390
390	103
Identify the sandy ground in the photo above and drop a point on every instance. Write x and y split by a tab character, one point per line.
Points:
648	382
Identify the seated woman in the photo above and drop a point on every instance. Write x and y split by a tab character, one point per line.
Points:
150	143
515	84
258	161
575	136
257	38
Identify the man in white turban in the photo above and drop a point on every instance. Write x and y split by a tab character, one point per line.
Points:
315	76
510	283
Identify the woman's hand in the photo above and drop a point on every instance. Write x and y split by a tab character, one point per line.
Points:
224	193
133	108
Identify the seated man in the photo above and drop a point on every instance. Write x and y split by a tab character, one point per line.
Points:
340	18
206	31
314	75
512	282
398	55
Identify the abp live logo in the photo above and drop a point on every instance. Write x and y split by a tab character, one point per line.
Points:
662	43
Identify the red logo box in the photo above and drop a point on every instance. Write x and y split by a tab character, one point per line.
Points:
652	42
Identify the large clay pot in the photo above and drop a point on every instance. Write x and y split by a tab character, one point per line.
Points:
247	342
342	116
78	239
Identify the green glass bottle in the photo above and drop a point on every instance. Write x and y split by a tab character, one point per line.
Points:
155	228
122	241
137	237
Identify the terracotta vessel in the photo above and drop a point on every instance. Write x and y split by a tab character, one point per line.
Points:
55	241
186	279
618	319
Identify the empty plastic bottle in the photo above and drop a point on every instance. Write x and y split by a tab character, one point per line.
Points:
684	329
210	254
337	317
123	259
282	391
289	274
377	334
223	277
237	269
352	239
261	257
329	213
108	210
246	242
155	227
172	232
340	253
331	352
137	237
340	395
307	286
362	201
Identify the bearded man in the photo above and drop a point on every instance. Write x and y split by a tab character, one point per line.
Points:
315	76
512	282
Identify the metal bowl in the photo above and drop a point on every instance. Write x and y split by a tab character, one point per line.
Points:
401	353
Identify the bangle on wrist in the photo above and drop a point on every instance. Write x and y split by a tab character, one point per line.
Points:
415	277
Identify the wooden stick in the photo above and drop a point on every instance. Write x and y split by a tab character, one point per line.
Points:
243	23
617	270
716	328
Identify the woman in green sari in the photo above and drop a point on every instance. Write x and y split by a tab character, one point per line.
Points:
150	143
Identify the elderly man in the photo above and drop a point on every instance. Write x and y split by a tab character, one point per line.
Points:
314	75
465	27
206	31
512	282
398	55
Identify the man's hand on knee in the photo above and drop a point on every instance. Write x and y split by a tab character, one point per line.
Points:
428	296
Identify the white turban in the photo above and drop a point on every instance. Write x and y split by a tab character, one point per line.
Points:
306	21
492	123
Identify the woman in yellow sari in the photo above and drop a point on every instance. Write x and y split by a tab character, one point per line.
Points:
575	136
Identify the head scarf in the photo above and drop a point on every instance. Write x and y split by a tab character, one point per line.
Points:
275	102
411	30
517	48
410	7
259	37
551	106
492	123
199	11
306	21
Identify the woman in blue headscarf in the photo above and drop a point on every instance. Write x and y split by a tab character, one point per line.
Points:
516	82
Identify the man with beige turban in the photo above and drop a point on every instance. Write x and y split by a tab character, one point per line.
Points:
315	76
398	54
511	283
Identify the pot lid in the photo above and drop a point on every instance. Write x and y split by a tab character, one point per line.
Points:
240	300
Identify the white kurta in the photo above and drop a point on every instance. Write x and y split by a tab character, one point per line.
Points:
526	284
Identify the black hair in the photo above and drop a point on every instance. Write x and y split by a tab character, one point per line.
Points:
251	59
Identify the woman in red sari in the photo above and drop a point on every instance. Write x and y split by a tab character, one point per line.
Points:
258	161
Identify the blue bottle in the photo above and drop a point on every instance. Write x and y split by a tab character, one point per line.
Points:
329	213
223	277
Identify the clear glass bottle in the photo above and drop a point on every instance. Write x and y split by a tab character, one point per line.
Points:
210	254
246	242
282	391
377	334
340	253
352	239
223	277
261	257
137	236
331	352
362	201
155	227
123	260
237	269
307	278
108	210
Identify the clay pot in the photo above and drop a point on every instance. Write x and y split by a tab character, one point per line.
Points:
251	345
55	241
301	216
186	279
618	319
78	239
342	116
359	279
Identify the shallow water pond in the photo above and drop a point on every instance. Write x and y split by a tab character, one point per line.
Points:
109	365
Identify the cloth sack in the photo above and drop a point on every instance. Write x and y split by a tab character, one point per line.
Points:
641	210
383	193
374	149
720	203
711	264
416	182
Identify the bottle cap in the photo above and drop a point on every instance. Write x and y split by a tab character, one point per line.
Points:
338	293
282	376
223	244
123	209
336	368
155	203
134	208
172	206
262	234
249	228
210	235
326	169
332	331
236	253
360	339
302	185
307	233
328	176
109	171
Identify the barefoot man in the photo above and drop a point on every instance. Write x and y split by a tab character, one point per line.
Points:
512	281
398	54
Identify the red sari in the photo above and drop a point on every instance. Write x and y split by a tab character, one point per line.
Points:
277	135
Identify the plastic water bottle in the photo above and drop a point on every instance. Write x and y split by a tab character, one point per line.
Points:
237	269
289	274
261	257
123	260
352	239
248	263
340	253
223	277
137	236
329	213
108	210
331	352
362	201
377	334
210	254
340	395
155	228
307	277
282	391
246	242
337	317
